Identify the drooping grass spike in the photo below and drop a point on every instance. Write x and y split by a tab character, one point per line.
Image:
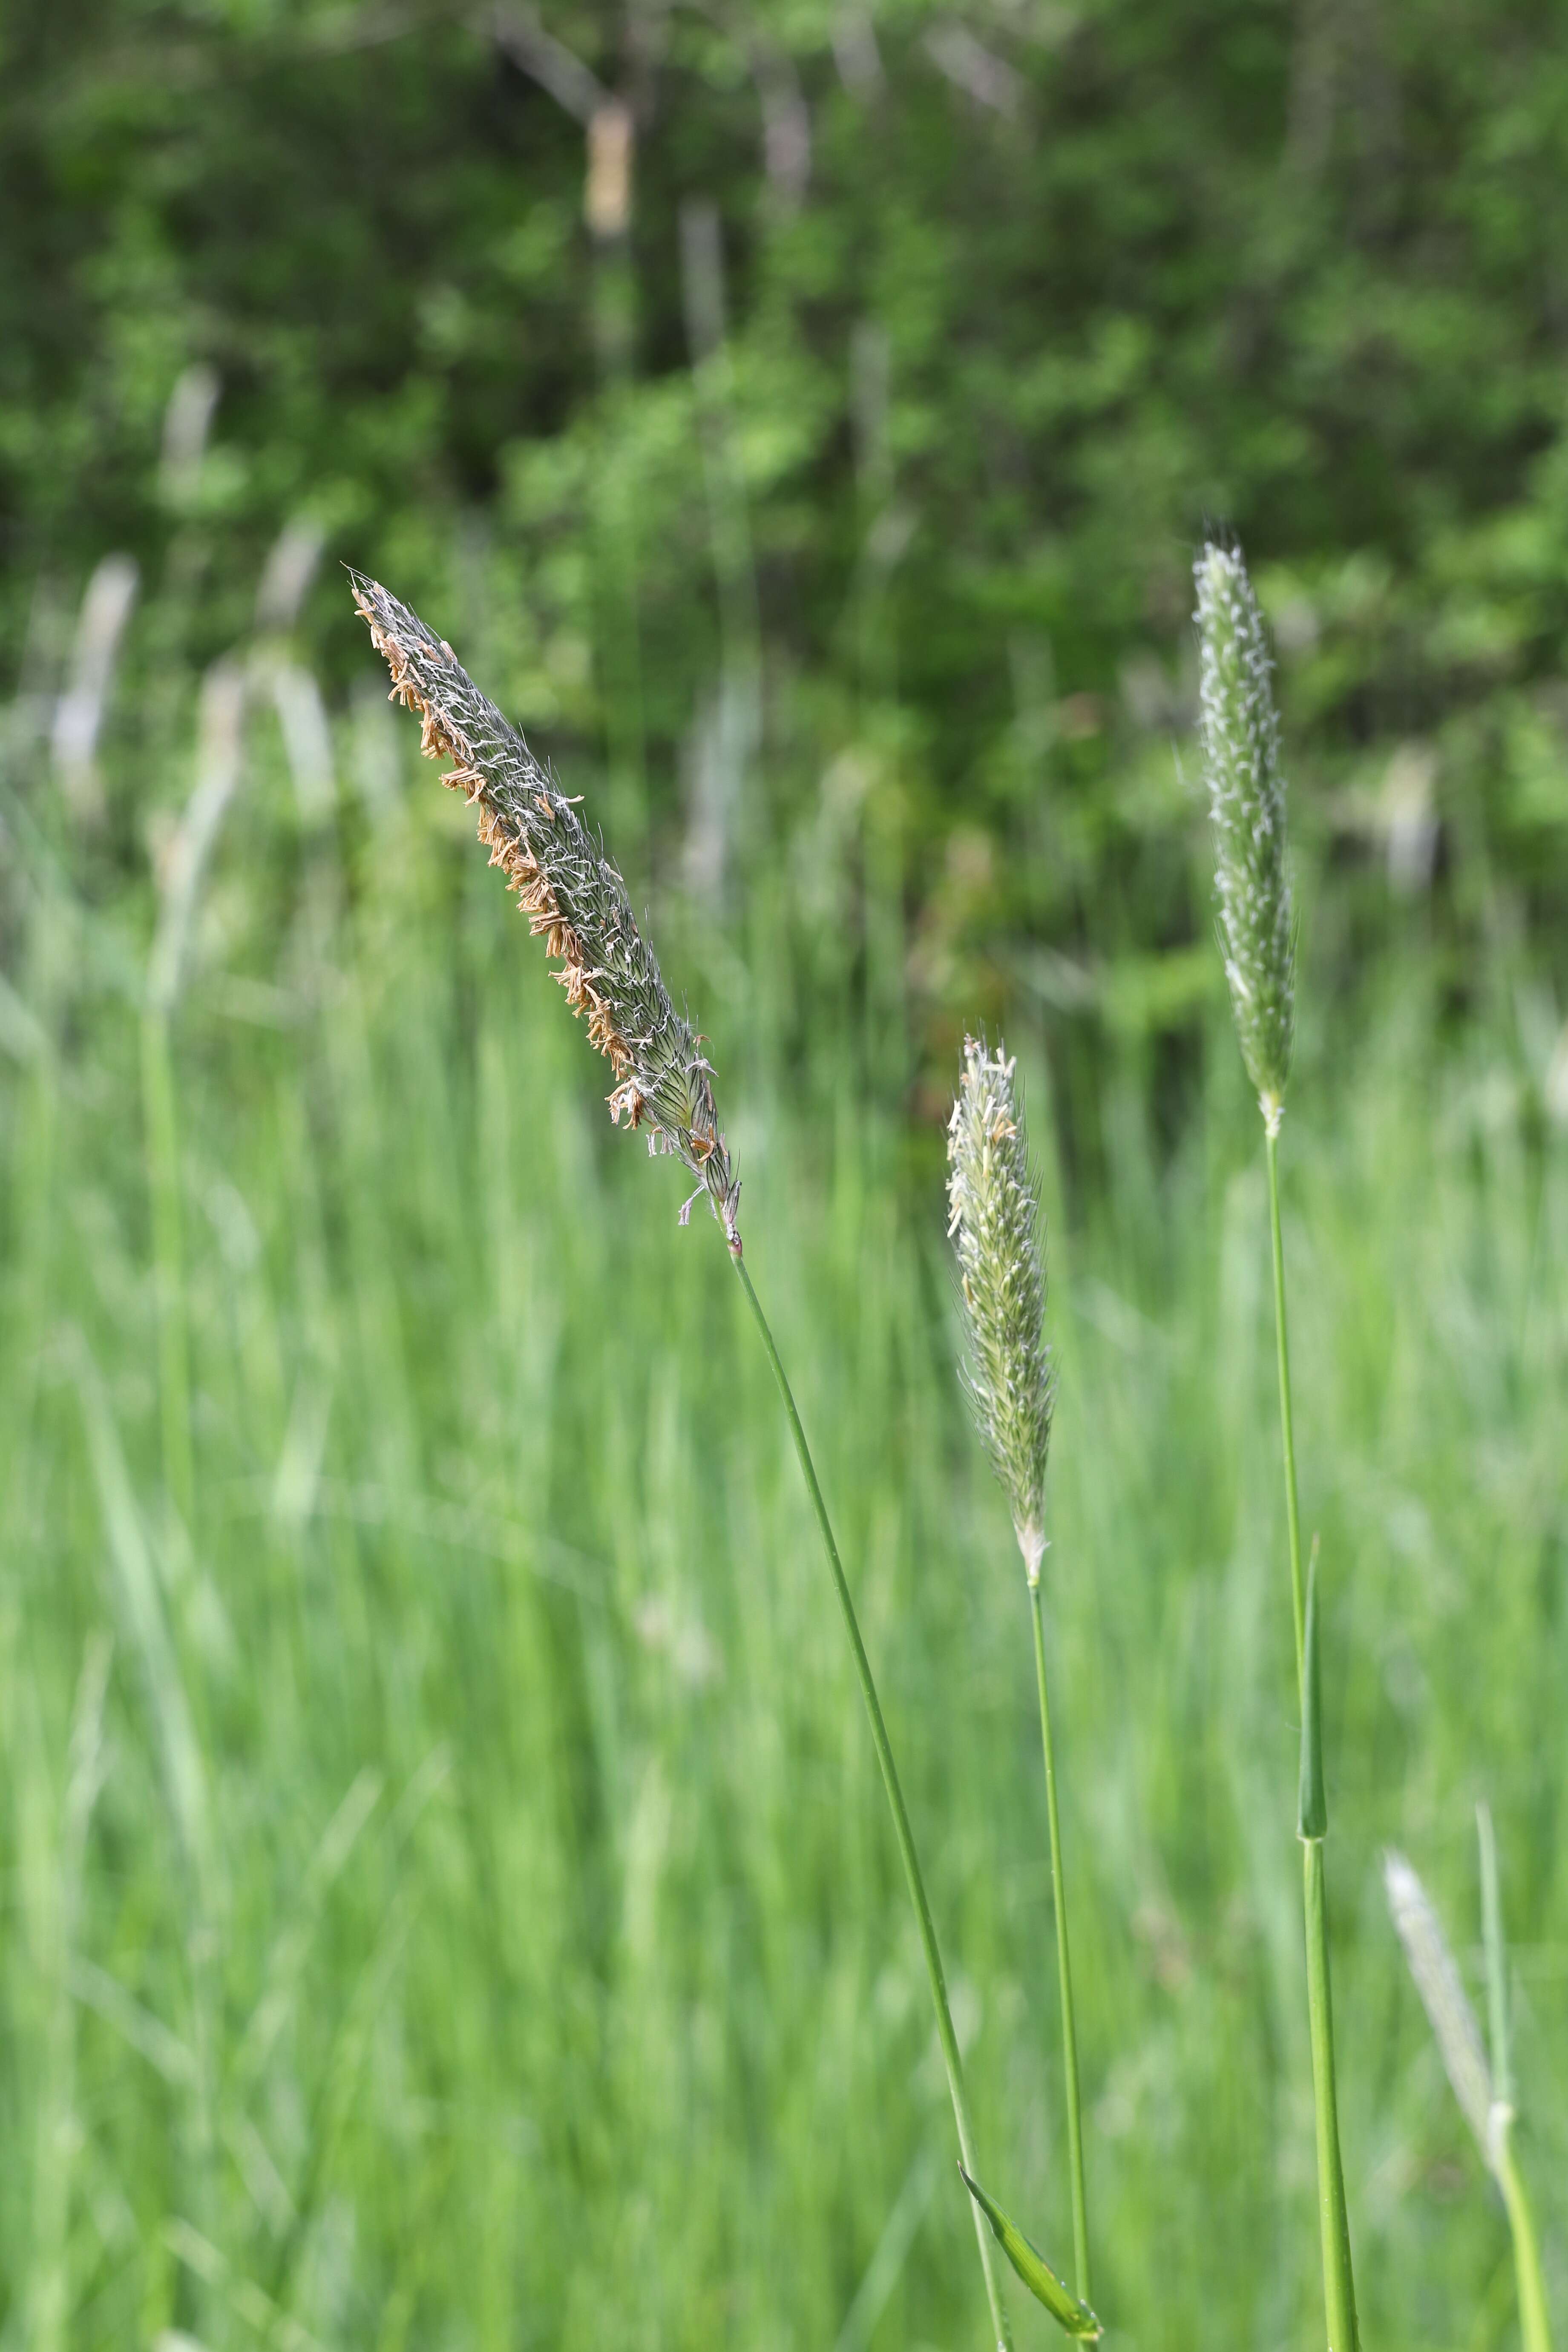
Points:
574	899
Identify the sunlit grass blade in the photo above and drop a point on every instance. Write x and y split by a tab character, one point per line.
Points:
1033	2270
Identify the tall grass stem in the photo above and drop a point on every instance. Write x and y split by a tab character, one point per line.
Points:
1063	1969
1338	2285
945	2033
1287	1418
1534	2324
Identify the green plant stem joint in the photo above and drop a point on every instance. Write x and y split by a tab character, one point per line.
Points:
1312	1827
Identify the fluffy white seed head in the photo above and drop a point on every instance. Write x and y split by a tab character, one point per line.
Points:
1448	2012
995	1227
1239	737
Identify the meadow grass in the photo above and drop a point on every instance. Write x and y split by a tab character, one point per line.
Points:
456	1907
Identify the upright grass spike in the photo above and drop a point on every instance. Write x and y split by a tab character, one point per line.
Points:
576	900
1239	736
994	1222
1485	2095
1239	740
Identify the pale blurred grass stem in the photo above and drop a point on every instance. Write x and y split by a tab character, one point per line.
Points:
1485	2092
180	881
161	1121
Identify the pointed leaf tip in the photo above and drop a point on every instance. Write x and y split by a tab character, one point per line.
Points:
1036	2274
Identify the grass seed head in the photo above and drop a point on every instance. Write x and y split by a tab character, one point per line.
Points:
994	1223
1239	737
1448	2012
573	898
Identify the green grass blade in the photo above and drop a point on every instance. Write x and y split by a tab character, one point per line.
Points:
1034	2271
1312	1807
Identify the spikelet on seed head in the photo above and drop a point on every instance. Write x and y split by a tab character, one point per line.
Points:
994	1222
573	898
1239	736
1443	1997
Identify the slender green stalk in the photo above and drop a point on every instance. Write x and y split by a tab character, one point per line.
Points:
1338	2286
163	1185
1064	1968
1534	2326
1287	1418
946	2034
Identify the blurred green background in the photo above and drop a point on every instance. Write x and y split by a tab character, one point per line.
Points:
447	1898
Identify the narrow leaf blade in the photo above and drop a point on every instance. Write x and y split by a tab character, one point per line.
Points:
1312	1807
1036	2274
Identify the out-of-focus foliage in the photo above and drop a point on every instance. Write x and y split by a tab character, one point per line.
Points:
1019	295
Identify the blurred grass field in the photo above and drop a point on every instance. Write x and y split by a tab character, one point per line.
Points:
447	1899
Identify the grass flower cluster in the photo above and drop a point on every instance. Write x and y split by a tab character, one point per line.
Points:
573	898
994	1224
1239	740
